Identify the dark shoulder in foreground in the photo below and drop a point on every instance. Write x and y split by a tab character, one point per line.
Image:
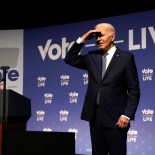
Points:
124	52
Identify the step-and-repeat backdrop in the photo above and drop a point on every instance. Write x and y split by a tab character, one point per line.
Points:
57	90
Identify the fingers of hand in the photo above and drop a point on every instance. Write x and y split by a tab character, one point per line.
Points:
123	123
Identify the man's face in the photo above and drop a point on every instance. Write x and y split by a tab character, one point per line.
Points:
104	38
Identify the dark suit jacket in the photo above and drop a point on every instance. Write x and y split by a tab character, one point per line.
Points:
119	88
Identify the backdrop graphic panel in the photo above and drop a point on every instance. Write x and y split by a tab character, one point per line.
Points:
14	78
57	90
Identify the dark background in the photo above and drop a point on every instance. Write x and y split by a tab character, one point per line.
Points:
25	15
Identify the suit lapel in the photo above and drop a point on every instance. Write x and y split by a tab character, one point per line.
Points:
99	67
113	61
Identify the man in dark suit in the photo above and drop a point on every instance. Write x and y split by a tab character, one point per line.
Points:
112	97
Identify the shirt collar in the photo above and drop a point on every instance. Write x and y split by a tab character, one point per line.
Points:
112	51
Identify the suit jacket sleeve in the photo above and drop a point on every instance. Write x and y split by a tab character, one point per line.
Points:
133	89
74	58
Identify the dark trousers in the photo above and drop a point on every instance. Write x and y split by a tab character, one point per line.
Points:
107	141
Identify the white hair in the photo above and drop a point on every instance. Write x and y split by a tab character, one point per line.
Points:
111	27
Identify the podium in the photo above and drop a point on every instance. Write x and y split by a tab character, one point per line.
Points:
17	111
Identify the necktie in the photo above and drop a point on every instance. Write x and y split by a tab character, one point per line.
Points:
104	61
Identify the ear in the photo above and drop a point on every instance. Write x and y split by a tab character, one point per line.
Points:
112	37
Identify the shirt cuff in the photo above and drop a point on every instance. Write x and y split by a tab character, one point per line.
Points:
126	117
79	40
